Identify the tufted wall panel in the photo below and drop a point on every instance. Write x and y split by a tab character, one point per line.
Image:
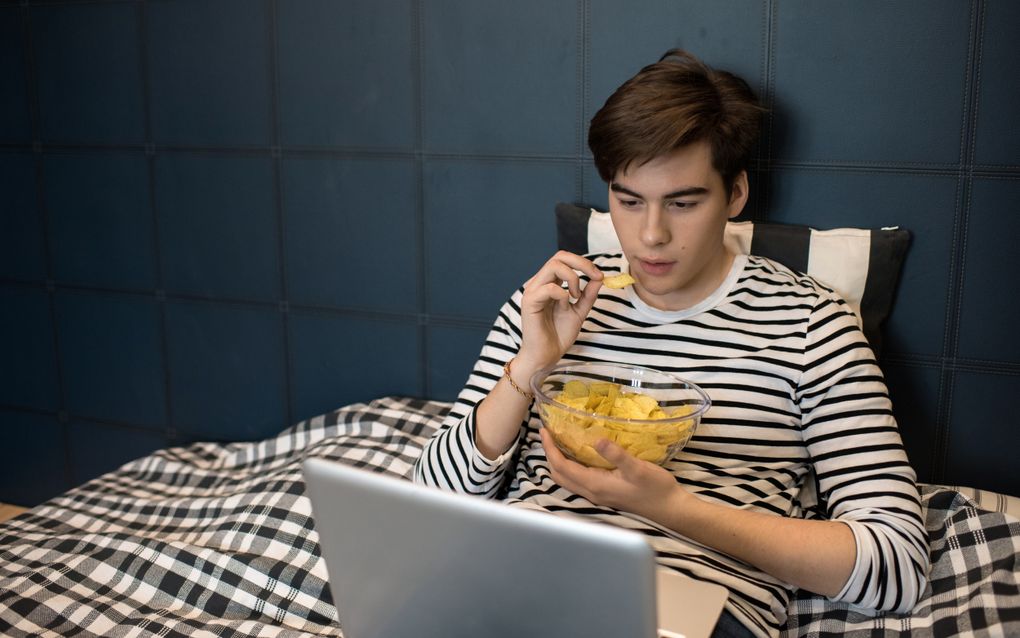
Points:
221	217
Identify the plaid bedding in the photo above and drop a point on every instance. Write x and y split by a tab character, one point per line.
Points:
217	540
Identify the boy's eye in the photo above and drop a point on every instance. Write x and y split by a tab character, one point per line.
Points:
681	205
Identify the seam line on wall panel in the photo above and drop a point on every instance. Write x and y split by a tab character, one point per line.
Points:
587	96
157	256
989	171
946	376
943	170
32	81
958	255
422	258
127	425
953	293
962	221
582	29
58	3
968	151
182	296
864	166
263	151
256	304
770	18
31	73
141	23
982	366
273	63
932	362
1000	173
1010	368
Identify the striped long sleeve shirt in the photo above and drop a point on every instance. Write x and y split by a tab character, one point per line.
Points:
800	425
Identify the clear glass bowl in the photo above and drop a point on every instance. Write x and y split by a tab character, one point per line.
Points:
649	413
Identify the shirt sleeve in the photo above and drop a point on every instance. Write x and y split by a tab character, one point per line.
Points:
864	477
450	460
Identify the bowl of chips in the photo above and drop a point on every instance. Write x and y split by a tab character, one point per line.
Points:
649	413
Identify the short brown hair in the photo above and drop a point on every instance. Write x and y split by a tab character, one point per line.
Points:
675	102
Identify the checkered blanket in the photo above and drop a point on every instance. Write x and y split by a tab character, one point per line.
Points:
217	540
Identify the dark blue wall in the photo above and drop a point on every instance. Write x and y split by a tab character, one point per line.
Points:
220	217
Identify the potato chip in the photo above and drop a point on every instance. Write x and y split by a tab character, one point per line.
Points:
576	402
643	404
654	453
575	389
639	440
683	410
618	281
586	454
601	388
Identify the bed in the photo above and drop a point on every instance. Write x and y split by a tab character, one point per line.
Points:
217	540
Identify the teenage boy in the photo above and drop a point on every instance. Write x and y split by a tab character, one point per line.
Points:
799	405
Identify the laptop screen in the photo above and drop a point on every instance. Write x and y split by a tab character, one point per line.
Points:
409	560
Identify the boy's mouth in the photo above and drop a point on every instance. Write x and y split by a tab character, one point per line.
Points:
656	267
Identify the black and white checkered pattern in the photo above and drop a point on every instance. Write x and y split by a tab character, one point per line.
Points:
974	587
217	540
207	540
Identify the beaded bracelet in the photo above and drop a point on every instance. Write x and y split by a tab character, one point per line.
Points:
506	373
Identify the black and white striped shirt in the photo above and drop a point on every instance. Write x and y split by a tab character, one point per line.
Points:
800	414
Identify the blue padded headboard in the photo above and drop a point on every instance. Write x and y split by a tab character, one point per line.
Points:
222	217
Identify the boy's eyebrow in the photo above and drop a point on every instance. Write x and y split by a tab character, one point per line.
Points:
683	192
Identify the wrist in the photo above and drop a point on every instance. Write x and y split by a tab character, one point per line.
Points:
519	384
522	368
676	509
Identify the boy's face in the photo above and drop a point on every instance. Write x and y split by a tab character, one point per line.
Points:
670	215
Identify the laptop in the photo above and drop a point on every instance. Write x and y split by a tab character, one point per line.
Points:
410	560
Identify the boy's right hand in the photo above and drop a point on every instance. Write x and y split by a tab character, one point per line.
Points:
551	315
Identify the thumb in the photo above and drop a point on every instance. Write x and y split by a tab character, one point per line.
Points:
614	453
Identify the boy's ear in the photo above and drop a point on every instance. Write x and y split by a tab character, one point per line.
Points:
738	194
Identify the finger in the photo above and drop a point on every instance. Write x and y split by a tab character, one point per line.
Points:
615	454
555	273
582	264
574	476
595	277
574	264
566	275
541	297
552	453
559	465
588	298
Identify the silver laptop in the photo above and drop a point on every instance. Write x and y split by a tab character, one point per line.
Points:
409	560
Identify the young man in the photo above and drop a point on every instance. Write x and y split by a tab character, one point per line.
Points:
798	403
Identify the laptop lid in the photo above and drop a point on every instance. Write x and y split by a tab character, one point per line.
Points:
409	560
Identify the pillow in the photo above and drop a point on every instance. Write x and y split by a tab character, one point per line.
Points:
862	265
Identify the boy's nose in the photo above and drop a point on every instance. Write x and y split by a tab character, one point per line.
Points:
655	232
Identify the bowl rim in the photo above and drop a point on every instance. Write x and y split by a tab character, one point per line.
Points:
536	389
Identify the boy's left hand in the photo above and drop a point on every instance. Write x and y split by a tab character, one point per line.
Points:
635	486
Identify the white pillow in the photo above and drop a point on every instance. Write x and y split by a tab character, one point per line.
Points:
862	265
838	258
